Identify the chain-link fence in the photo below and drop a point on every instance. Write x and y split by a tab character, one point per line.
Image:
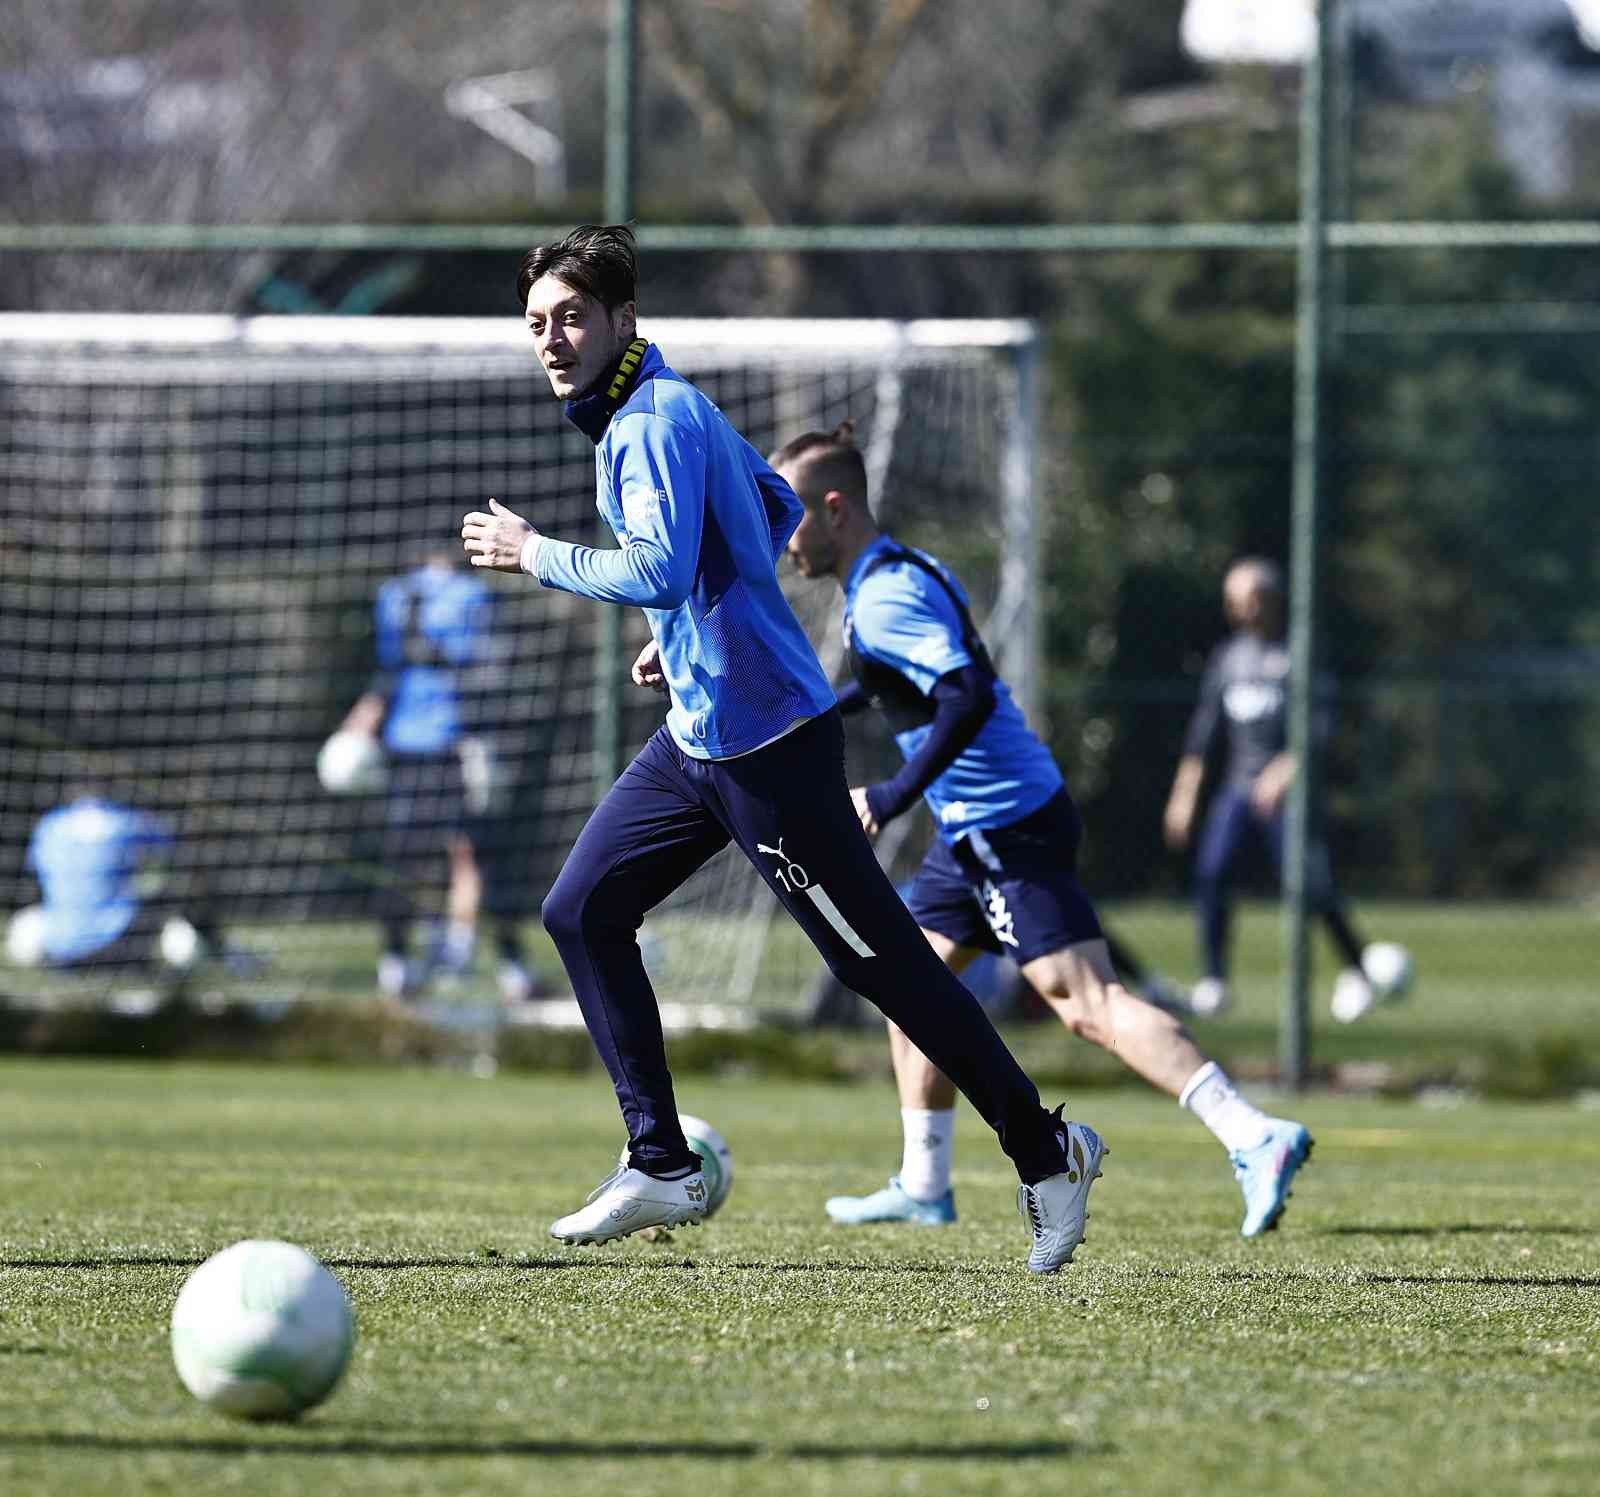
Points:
1139	169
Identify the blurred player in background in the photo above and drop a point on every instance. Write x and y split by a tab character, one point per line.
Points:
1245	685
444	784
1001	876
111	901
752	752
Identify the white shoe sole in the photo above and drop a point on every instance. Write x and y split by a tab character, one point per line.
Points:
608	1228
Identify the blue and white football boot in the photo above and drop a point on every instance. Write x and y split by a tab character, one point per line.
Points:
1265	1172
893	1204
1056	1209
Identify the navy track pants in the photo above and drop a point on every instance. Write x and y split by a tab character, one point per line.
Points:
788	808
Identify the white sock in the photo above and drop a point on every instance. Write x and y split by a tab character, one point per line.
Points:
1210	1096
925	1166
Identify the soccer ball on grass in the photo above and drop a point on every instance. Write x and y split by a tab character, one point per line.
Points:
261	1330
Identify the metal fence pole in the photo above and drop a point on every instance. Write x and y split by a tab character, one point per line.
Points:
1303	794
621	77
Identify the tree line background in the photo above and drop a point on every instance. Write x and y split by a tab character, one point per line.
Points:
1459	600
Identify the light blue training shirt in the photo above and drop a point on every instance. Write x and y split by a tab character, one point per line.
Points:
902	617
430	624
702	519
86	857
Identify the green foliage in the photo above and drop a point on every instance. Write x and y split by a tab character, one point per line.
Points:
1458	516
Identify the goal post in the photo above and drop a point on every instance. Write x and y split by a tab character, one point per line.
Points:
196	517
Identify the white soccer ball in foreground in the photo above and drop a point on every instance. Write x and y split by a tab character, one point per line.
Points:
352	764
715	1159
1387	966
261	1331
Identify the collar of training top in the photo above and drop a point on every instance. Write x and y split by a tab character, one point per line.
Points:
592	411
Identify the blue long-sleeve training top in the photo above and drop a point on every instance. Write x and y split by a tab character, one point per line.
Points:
701	519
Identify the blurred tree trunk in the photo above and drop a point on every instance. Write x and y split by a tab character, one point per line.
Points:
771	167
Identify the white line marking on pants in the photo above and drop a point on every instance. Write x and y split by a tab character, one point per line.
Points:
830	912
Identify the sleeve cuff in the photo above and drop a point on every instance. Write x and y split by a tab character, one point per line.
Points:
883	802
528	561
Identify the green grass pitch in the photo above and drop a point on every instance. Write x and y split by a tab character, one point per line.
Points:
1427	1320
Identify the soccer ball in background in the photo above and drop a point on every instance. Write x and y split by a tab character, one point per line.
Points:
261	1330
352	764
715	1158
25	937
1387	966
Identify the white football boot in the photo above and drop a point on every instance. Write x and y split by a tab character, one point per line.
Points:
1353	995
515	983
1055	1208
628	1201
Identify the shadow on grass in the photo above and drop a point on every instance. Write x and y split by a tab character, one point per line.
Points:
1423	1280
326	1441
1486	1280
1461	1229
678	1262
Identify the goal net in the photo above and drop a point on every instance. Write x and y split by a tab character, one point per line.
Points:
198	520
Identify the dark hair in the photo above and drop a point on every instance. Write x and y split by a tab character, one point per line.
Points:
600	260
831	457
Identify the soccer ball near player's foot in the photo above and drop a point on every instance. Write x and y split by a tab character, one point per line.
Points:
261	1330
1387	966
716	1159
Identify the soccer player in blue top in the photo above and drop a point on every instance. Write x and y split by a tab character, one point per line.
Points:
752	752
1001	875
107	896
432	628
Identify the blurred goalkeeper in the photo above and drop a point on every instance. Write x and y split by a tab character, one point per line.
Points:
1001	877
112	901
444	788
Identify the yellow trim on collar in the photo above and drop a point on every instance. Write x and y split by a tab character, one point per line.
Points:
627	368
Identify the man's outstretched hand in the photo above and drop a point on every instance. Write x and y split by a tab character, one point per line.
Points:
495	539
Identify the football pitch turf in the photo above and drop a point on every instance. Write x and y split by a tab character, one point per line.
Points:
1426	1321
1504	1000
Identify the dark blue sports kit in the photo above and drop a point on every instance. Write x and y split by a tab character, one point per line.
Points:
1002	876
752	753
